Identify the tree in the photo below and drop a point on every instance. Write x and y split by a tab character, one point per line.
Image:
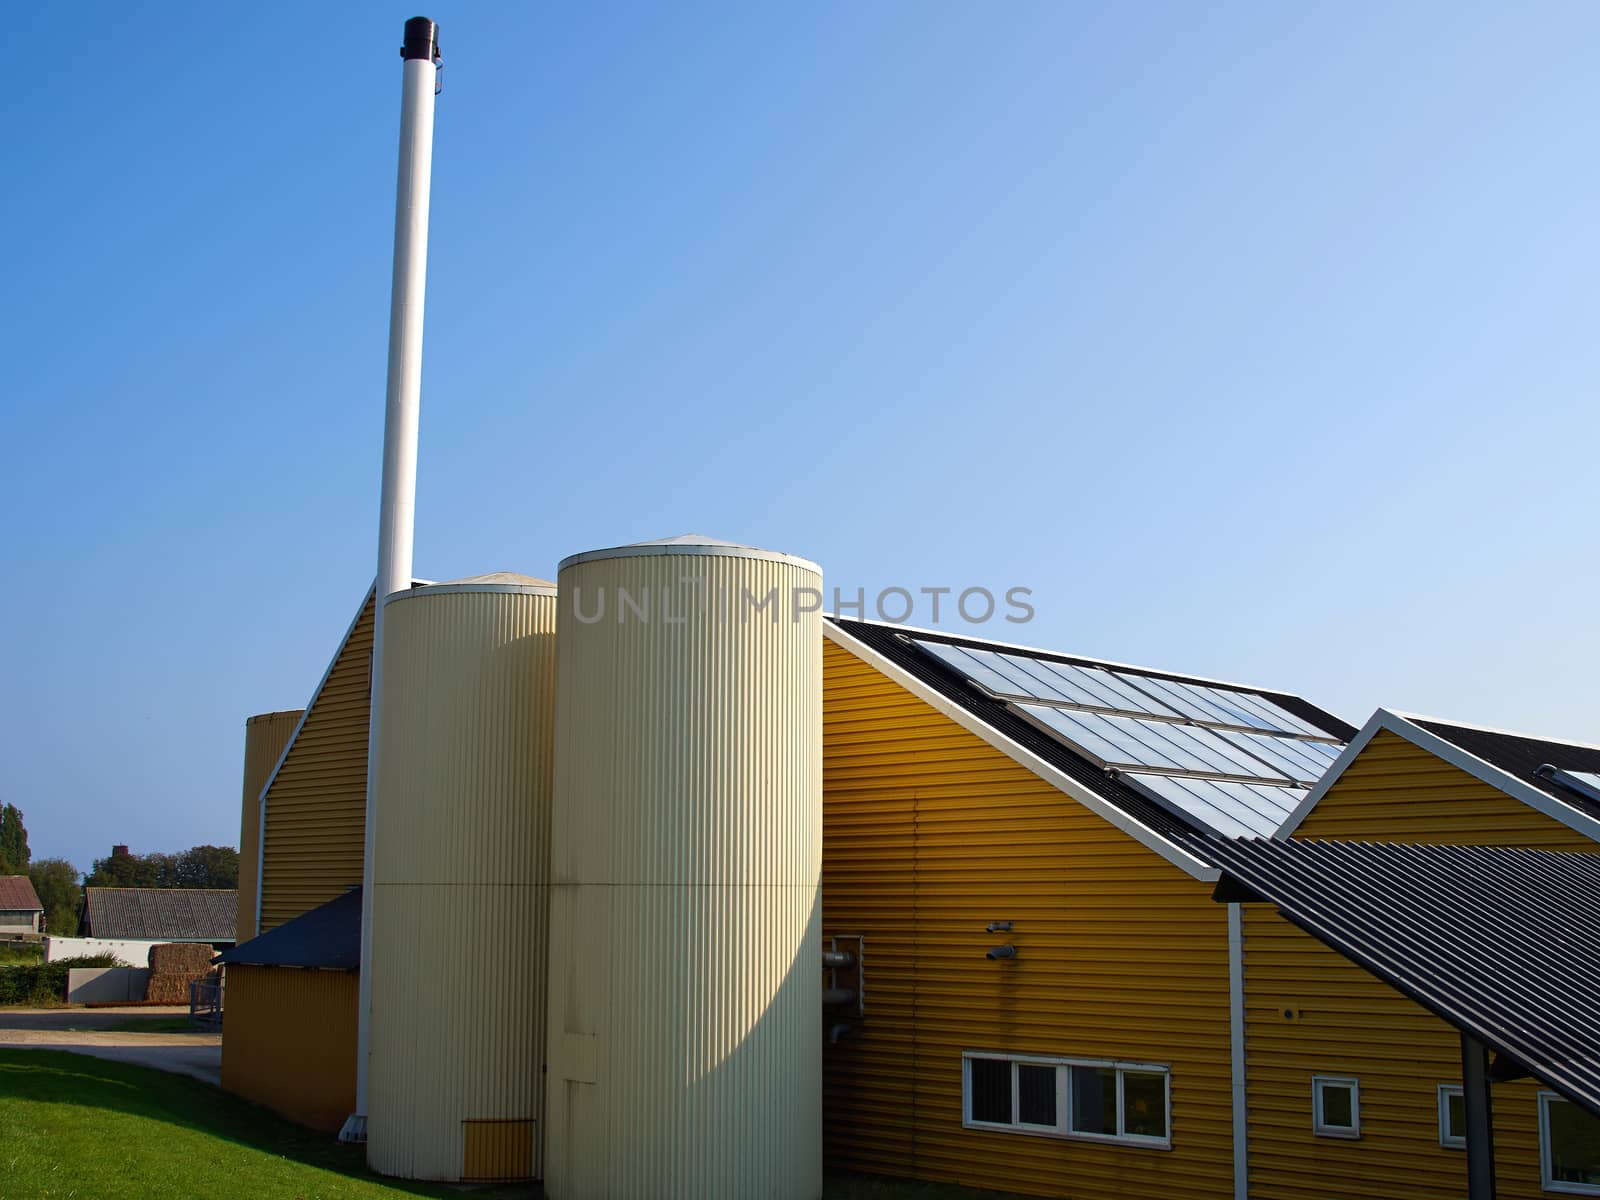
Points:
13	841
196	867
56	881
208	867
126	871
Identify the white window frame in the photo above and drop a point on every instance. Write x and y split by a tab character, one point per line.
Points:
1447	1139
1545	1181
1063	1126
1318	1126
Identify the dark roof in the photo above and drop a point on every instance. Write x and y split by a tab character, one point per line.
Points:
894	645
1504	944
329	936
161	914
17	894
1521	756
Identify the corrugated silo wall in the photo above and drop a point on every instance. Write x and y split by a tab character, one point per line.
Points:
685	1022
265	736
460	883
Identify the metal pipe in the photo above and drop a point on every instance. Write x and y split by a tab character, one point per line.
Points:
396	509
838	995
835	1032
838	958
1480	1118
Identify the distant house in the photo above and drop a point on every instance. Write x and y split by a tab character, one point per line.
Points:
20	910
160	915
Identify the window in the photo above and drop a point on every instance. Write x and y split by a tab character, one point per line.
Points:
1059	1097
1452	1117
1569	1147
1336	1106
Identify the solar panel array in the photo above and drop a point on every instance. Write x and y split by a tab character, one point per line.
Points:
1234	761
1584	783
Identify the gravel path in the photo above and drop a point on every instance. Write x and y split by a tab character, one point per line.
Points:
83	1031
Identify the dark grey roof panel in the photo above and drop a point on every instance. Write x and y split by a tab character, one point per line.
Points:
1522	756
1501	943
329	937
171	914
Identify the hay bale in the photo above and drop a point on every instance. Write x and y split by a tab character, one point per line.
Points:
181	958
168	988
173	967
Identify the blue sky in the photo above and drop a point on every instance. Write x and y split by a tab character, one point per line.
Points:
1257	341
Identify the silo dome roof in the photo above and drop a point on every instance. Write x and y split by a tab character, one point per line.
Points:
498	577
494	581
691	544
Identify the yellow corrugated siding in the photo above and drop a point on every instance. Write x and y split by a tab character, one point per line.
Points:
1395	791
289	1042
930	833
1348	1022
265	736
497	1150
317	804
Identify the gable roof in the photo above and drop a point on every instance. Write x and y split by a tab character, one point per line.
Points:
890	649
1503	760
17	894
161	914
1503	944
343	719
326	937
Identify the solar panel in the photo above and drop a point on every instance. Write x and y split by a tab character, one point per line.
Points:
1582	783
1232	809
1099	688
1220	706
1020	678
1295	757
1232	761
1129	743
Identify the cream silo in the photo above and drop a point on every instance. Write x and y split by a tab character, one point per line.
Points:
686	840
460	880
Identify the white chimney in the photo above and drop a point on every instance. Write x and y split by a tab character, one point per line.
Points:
396	512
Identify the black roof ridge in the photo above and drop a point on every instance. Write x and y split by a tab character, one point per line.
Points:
1437	724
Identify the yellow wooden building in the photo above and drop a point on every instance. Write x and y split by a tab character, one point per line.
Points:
1049	1000
1042	996
313	808
1353	1088
290	1040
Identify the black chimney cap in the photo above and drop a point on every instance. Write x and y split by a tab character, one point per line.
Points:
422	39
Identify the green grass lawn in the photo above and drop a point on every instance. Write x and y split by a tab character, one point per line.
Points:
82	1128
79	1128
144	1025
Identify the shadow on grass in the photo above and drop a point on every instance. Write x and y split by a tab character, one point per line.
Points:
53	1077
